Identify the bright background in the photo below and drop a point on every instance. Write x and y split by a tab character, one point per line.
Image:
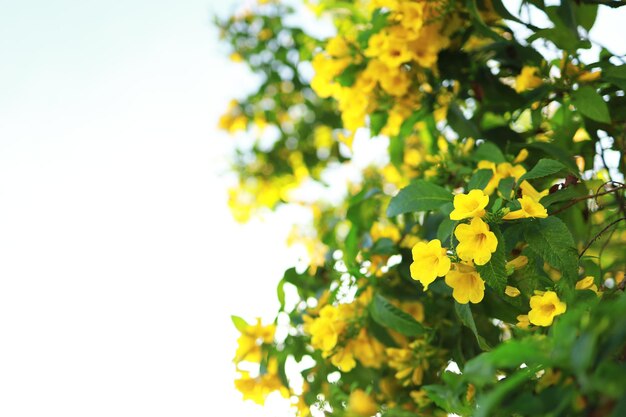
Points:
119	262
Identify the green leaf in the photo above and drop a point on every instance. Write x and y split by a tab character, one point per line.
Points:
445	229
586	15
615	75
398	412
543	168
488	152
480	179
477	21
280	293
494	271
488	403
505	188
551	239
239	323
568	193
591	104
563	39
565	156
378	120
388	315
348	77
419	196
465	128
464	313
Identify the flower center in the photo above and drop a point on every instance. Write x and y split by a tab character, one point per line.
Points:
548	308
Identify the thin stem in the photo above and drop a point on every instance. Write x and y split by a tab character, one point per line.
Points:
587	197
613	223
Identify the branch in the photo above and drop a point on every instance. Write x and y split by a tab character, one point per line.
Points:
613	223
614	4
587	197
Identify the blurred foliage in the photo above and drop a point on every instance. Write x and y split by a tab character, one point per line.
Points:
477	267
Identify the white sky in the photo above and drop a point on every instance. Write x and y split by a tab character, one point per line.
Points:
119	262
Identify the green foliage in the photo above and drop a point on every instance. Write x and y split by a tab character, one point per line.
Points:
489	235
389	316
419	196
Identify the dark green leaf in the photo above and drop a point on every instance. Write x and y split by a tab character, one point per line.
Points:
591	104
568	193
488	403
505	187
551	239
586	15
419	196
543	168
445	229
464	312
480	179
465	128
388	315
488	151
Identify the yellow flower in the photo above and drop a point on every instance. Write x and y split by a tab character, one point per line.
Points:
521	156
395	82
325	329
581	135
337	47
587	283
369	351
343	359
380	230
511	291
361	404
506	170
530	191
469	205
543	308
530	208
476	241
236	57
528	79
251	339
411	362
257	389
517	263
412	15
466	283
522	321
429	262
587	76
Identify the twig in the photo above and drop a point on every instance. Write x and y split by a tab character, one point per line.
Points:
614	4
587	197
613	223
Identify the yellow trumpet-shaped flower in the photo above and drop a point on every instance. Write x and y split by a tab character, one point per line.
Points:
530	191
251	339
326	328
543	308
530	208
529	78
511	291
466	283
362	405
476	241
429	262
587	283
469	205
